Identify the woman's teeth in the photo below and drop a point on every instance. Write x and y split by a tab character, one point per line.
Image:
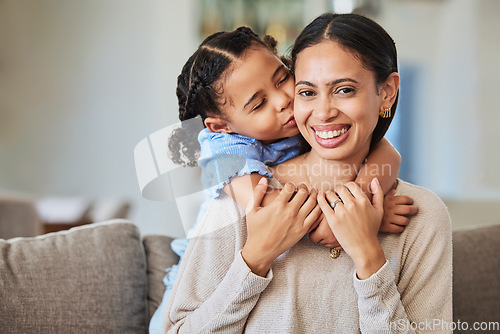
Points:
330	134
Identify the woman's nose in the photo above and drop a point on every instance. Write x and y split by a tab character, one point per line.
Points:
326	109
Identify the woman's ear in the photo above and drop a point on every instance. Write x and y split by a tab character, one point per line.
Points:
215	124
390	90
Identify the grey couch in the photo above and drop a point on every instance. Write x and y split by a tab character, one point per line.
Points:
106	278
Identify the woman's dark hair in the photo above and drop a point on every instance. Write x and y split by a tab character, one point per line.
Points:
199	86
366	39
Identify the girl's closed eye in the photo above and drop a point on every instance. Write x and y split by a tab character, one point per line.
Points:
259	105
284	79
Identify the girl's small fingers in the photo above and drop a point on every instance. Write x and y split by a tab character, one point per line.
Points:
400	220
403	200
395	228
406	210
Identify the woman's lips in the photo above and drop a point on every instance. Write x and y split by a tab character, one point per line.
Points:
332	135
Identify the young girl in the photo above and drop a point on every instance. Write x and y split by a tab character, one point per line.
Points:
243	93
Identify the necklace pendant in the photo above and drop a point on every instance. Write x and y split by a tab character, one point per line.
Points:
334	253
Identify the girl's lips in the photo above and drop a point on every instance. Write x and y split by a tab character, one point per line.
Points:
291	122
331	142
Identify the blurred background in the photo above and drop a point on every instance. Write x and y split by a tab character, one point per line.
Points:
83	82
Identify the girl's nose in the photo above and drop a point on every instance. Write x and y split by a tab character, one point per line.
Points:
283	100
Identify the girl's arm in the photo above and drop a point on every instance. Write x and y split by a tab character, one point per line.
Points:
241	189
383	162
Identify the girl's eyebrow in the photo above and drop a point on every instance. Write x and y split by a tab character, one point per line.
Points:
331	83
275	74
254	96
278	70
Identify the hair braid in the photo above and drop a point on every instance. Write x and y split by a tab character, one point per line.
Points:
198	86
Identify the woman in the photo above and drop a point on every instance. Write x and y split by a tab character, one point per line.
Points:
262	275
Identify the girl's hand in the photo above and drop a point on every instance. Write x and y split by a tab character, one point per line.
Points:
396	212
356	222
277	227
323	234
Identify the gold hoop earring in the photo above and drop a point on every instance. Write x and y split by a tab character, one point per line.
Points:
385	112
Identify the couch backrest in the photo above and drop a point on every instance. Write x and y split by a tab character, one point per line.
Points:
91	279
476	275
95	278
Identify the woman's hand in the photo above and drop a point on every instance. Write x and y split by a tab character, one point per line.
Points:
396	212
323	234
356	222
277	227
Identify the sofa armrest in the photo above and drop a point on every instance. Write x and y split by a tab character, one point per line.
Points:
159	257
476	274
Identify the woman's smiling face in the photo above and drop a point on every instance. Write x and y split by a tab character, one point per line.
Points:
337	101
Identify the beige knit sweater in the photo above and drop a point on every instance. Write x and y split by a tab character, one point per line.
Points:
306	291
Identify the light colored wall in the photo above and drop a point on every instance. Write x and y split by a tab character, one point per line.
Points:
453	43
82	82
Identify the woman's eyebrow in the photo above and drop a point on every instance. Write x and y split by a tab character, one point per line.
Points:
331	83
307	83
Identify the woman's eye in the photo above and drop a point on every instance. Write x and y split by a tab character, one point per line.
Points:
346	91
306	93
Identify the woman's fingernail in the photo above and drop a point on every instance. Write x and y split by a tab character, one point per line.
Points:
262	180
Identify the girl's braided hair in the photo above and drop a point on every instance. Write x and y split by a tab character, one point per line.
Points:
199	86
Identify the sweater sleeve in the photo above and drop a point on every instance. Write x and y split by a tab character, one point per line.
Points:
215	291
419	299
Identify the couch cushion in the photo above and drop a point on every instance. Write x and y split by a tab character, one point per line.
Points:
90	279
18	218
160	256
476	278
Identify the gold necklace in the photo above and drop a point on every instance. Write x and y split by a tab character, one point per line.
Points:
334	253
